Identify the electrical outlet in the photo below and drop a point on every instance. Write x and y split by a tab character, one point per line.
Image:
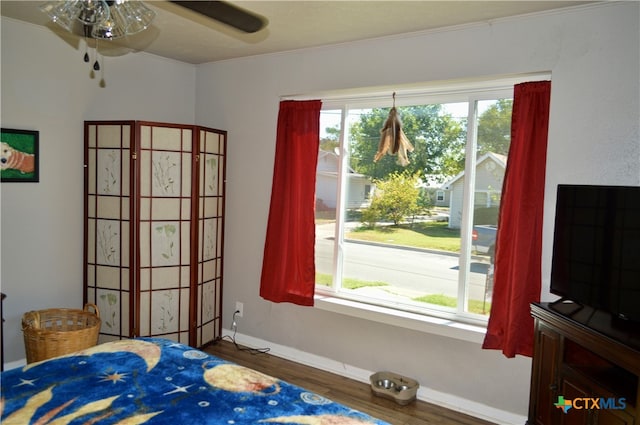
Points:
239	308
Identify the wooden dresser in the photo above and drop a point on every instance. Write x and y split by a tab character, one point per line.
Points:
586	358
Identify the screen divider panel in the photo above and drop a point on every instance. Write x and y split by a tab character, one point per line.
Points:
165	165
154	207
211	187
108	272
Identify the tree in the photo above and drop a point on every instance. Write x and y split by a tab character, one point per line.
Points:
494	128
438	140
395	198
331	140
424	201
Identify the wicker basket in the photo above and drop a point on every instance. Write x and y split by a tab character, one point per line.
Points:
59	331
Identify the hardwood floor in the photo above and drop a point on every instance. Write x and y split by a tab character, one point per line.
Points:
346	391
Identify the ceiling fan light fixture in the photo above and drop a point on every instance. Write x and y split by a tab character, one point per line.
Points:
93	12
112	28
137	15
62	13
101	19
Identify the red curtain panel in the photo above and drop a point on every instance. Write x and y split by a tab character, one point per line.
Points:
517	278
288	267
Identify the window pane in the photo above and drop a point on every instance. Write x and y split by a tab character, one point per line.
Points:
411	259
327	194
395	235
493	140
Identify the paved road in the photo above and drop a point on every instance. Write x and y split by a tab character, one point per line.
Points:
411	272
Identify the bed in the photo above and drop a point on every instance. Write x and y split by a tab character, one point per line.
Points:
157	381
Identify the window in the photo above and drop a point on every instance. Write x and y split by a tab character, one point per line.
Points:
367	192
417	238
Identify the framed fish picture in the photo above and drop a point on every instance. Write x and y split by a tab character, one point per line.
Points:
19	155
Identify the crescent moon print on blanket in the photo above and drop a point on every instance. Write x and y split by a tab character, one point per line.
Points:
148	351
14	159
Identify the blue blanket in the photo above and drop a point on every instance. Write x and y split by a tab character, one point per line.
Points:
157	381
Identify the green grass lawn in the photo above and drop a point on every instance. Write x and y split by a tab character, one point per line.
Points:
475	306
430	235
347	283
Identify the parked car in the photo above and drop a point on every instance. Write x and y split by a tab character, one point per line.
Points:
484	242
484	239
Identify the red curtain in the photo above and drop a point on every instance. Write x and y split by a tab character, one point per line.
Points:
517	275
288	267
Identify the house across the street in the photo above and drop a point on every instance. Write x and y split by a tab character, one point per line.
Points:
359	187
489	172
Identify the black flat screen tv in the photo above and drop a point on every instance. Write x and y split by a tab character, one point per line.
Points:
596	248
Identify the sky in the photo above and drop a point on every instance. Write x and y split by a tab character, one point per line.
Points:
458	110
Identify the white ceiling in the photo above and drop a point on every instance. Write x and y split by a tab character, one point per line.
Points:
188	37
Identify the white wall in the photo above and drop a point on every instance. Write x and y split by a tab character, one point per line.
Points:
46	87
593	54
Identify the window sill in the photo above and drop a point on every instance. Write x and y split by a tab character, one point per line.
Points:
413	321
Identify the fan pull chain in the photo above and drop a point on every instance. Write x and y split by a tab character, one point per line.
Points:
103	83
96	64
87	58
86	50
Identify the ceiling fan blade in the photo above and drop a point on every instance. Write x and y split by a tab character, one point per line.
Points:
226	13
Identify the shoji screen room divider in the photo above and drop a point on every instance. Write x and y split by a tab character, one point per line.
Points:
154	208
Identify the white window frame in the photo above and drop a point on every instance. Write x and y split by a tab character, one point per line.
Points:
462	325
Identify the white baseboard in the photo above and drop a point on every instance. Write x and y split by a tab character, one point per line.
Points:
15	364
449	401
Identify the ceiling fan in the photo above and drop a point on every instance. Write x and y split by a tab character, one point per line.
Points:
115	19
112	19
227	13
